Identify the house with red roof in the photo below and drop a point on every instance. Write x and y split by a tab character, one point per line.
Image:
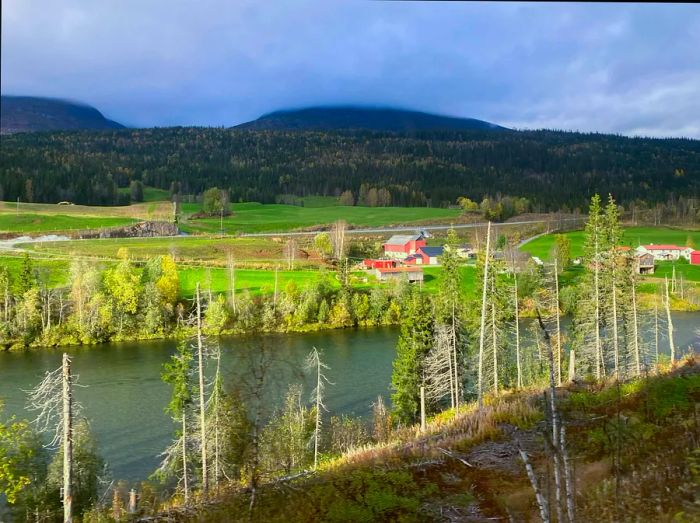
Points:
401	246
664	252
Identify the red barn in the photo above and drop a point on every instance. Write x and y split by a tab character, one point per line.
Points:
401	246
379	264
695	258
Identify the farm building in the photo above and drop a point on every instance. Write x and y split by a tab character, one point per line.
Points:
413	274
401	246
378	264
695	257
664	252
431	255
466	250
643	263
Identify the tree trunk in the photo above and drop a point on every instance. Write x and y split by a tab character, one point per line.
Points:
568	477
541	502
616	348
656	334
635	331
494	347
185	482
422	409
67	442
517	335
482	330
202	416
232	281
670	325
556	313
317	430
274	300
600	362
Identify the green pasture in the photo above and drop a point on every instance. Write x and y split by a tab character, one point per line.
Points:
150	194
257	217
685	270
182	248
32	223
632	236
54	273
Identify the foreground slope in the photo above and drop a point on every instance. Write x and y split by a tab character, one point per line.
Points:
469	467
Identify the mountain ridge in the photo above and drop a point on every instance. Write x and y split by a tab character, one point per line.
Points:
36	113
374	118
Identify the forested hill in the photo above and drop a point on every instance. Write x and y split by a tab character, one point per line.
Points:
29	113
552	169
370	118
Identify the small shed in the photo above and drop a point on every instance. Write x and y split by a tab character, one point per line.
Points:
644	263
412	274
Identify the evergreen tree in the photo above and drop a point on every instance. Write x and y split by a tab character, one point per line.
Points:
415	340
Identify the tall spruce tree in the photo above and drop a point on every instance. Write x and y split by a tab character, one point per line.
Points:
415	340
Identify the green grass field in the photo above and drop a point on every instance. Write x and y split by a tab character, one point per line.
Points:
256	217
150	194
187	248
33	223
689	272
633	236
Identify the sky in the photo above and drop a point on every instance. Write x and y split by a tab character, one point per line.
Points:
632	69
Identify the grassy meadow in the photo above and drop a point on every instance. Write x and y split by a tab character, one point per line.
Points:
257	217
632	237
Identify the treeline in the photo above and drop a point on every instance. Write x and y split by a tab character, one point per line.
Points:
131	301
553	170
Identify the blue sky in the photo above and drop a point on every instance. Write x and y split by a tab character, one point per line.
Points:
630	69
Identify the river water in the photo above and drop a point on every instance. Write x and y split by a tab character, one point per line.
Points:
124	397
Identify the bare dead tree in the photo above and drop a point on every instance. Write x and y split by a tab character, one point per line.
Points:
314	363
438	368
539	497
53	400
518	364
669	323
635	330
482	329
231	280
553	441
557	314
290	252
202	402
338	238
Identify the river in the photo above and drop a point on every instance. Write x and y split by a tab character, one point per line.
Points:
124	398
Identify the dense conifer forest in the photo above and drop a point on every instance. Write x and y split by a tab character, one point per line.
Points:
554	170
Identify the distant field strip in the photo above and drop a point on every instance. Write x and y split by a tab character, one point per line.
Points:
33	223
632	237
256	217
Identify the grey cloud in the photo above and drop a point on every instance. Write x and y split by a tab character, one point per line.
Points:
630	69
